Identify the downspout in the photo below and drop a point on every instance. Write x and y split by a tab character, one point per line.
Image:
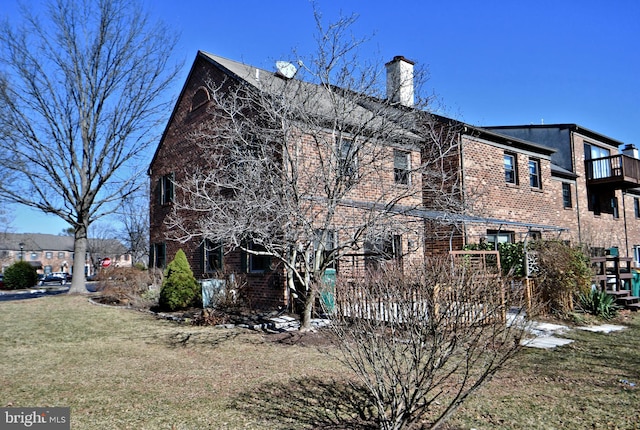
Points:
573	160
624	218
462	188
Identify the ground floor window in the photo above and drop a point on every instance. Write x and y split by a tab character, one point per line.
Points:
158	255
502	236
212	253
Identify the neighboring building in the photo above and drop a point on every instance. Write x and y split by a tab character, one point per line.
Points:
50	253
508	190
594	186
511	183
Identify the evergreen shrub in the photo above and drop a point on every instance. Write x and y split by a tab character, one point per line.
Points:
180	290
20	275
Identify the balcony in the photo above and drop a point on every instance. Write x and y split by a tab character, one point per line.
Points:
619	171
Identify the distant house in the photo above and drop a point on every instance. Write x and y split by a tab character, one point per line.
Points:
50	253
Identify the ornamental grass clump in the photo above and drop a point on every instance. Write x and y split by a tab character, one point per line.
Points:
599	303
180	290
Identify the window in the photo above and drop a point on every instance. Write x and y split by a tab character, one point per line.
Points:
48	269
566	195
510	169
494	236
534	174
614	207
200	98
401	167
594	202
382	249
327	244
166	189
61	254
258	263
158	255
600	167
636	207
348	160
48	255
212	254
34	256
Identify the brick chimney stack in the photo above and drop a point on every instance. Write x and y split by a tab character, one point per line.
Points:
400	81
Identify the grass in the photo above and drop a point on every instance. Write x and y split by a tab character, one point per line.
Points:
121	369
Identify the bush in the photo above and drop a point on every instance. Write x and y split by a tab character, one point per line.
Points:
20	275
563	274
124	285
511	256
180	290
599	303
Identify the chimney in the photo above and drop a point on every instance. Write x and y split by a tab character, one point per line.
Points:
630	150
400	81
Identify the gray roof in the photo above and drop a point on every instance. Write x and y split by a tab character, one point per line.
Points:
315	100
36	242
52	242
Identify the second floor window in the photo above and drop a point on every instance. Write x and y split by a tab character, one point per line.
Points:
166	189
510	172
401	167
566	195
534	174
636	207
347	158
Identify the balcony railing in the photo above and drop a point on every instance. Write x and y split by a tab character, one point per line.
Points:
620	171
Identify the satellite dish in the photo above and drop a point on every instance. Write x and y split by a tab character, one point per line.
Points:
286	69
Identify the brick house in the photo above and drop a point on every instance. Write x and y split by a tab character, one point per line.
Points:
510	183
52	253
178	155
592	183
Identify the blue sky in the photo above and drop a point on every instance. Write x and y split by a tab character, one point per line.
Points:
491	62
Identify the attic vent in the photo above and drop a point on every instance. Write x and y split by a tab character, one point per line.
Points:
200	98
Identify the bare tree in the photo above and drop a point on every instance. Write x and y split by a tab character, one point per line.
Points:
81	95
103	243
134	216
302	170
422	341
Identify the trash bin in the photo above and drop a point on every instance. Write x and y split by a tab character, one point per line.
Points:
328	290
635	283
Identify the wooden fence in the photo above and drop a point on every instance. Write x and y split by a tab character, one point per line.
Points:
469	291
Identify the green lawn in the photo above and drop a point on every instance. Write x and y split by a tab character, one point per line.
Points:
123	369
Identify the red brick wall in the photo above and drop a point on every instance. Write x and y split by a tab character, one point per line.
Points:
602	230
178	155
490	196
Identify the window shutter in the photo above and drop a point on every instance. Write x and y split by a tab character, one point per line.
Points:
244	264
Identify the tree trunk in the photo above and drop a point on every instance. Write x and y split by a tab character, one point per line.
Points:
305	324
80	244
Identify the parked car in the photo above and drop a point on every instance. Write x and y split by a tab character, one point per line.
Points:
53	278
